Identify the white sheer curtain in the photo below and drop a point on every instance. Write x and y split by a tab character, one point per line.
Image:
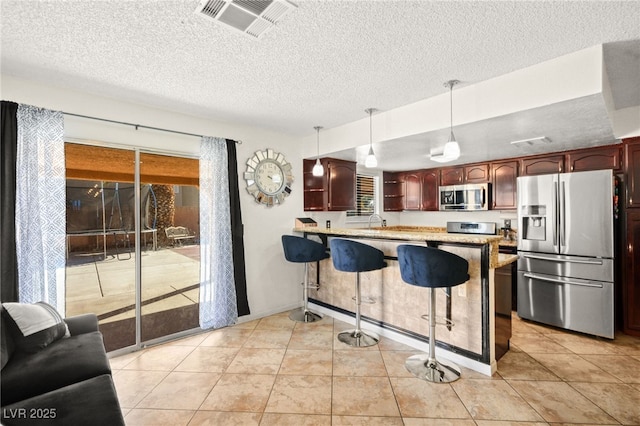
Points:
218	303
40	206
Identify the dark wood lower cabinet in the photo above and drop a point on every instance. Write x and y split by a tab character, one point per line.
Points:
631	284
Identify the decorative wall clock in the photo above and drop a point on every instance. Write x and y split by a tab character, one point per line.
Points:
268	177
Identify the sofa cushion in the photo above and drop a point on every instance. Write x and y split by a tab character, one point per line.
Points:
34	325
62	363
90	402
6	343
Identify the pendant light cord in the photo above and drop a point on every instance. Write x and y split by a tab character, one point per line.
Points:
451	108
370	127
318	140
450	85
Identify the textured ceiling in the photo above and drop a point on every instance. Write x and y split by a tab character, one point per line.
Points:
323	65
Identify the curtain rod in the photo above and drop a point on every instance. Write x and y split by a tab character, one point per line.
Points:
137	126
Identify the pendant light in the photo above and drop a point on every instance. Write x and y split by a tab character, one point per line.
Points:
318	170
451	149
371	160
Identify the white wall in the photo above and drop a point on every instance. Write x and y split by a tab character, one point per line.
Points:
272	282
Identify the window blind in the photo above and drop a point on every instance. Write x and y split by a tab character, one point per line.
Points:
366	199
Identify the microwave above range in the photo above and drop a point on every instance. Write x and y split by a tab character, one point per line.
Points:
465	197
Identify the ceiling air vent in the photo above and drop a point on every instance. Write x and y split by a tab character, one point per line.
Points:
251	17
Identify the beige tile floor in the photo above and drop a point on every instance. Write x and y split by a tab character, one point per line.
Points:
274	371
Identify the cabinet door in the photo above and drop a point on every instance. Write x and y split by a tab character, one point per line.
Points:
542	165
633	174
341	180
608	157
504	176
412	191
313	188
476	173
452	176
631	287
392	192
430	193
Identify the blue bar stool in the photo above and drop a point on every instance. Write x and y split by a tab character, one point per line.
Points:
432	268
351	256
303	250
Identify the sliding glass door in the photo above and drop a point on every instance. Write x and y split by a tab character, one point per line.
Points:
120	263
171	272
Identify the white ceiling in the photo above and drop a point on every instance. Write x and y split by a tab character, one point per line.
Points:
324	63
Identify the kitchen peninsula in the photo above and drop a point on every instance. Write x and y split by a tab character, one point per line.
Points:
397	307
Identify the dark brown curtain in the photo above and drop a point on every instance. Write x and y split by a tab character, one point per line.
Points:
8	259
237	231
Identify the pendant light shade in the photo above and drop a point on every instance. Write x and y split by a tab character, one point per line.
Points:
371	160
451	149
318	170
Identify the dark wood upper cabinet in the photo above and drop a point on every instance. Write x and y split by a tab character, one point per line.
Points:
607	157
476	173
632	159
335	190
473	173
412	190
392	192
504	175
452	176
341	182
429	188
314	188
542	165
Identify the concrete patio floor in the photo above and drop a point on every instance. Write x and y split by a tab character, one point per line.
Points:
106	287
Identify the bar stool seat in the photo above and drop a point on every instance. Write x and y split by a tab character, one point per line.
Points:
303	250
352	256
432	268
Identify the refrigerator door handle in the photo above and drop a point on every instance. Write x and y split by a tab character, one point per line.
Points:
553	259
559	281
562	215
554	218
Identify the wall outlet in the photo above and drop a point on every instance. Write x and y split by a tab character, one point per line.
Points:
462	290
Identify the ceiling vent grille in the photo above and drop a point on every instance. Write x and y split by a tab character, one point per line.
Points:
251	17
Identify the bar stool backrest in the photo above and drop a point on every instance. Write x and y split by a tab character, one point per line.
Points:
352	256
302	250
431	267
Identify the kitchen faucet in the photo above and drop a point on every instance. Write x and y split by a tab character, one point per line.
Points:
374	215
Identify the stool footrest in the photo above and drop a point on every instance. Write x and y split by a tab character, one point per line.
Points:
368	300
440	320
311	286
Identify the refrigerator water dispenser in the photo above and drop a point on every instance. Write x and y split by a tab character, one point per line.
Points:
534	222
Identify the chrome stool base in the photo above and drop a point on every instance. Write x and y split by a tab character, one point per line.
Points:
358	339
304	315
432	370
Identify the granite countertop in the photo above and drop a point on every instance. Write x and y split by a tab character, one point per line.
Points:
406	233
424	233
504	260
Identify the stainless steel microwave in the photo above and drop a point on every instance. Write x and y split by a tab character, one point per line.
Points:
465	197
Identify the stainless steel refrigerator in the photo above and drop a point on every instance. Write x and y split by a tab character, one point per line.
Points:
566	249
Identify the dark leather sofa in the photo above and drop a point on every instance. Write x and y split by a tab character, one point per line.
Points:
67	383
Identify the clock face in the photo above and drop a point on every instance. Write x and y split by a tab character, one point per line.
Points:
268	177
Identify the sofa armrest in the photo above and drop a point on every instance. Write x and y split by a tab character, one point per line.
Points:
81	324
